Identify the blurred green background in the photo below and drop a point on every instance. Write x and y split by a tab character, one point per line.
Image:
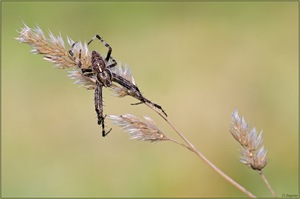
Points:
198	60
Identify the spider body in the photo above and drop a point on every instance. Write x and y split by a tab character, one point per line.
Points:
99	70
103	75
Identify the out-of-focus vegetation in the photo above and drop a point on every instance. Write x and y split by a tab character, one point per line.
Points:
198	60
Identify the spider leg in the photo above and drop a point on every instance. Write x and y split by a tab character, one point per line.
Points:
99	107
113	62
71	51
135	92
145	100
73	56
106	45
108	56
79	63
88	72
85	71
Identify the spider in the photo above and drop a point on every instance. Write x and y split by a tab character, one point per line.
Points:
99	70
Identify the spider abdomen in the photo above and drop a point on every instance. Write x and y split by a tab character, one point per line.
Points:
103	75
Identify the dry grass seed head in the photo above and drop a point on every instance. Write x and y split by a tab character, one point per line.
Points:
138	129
253	152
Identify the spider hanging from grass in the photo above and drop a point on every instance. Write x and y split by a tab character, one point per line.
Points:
100	70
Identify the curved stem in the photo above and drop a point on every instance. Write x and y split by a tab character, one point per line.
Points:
199	154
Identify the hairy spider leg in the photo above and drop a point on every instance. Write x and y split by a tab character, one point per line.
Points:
79	56
99	107
85	71
106	45
135	92
71	52
79	64
145	100
113	64
108	56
